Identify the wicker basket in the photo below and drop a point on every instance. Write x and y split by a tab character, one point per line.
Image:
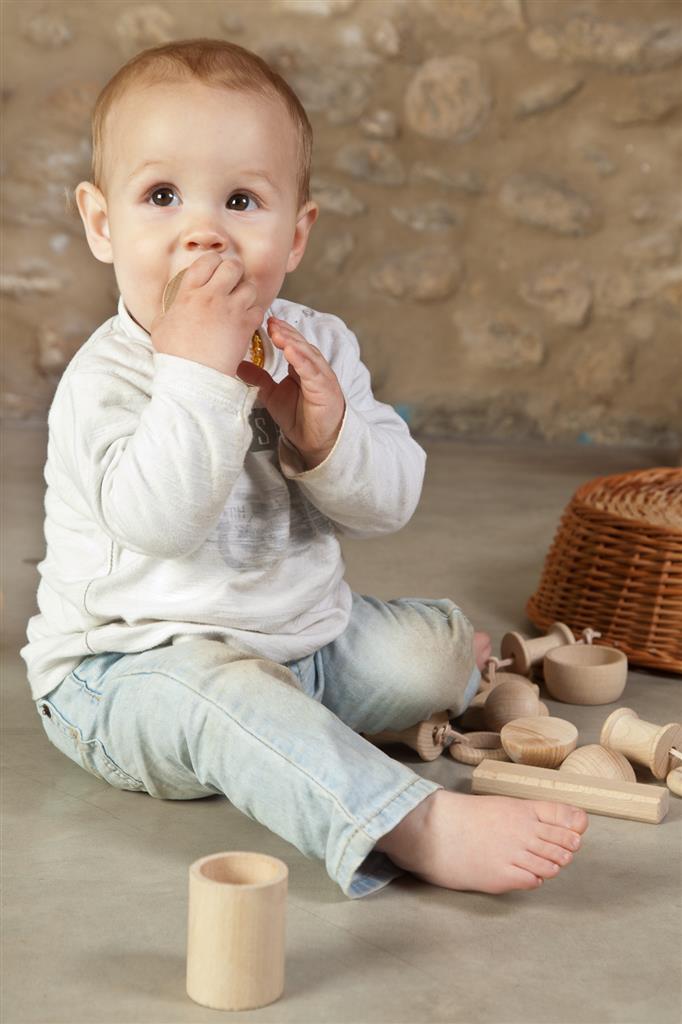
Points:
616	564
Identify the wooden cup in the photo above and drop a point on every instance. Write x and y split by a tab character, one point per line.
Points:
585	674
236	929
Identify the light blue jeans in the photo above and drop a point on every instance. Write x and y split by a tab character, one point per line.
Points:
281	742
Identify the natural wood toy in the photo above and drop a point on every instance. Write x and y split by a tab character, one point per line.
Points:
522	654
611	797
474	747
256	353
584	674
514	697
600	761
426	738
543	742
674	778
236	928
642	742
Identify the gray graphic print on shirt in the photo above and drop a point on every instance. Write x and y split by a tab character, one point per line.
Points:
267	517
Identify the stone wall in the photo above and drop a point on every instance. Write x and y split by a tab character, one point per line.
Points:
499	183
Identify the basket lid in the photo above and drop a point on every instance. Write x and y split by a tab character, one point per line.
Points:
650	497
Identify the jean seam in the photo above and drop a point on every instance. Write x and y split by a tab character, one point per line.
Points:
68	729
187	686
375	814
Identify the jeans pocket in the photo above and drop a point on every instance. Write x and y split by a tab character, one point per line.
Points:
90	754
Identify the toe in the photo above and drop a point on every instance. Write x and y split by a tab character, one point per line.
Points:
565	837
550	851
563	815
539	866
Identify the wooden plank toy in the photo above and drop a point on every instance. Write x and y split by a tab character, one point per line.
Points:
631	800
642	742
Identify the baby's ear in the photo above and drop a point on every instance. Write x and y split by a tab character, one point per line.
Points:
307	216
92	207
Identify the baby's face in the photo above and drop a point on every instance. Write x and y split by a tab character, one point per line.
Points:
222	177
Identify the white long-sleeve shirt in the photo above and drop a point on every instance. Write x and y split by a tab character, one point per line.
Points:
174	509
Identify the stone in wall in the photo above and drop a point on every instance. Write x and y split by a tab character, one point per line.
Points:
473	19
71	103
428	216
562	290
547	95
660	247
48	29
498	340
448	99
335	198
34	278
380	124
386	38
336	252
547	203
145	25
341	91
371	161
424	274
466	180
600	367
58	341
651	100
315	8
628	46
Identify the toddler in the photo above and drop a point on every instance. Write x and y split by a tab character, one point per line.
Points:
195	632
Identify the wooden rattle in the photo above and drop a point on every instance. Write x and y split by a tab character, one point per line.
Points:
642	742
522	653
256	353
599	761
543	742
674	777
426	738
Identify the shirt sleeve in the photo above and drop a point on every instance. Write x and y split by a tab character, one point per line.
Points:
371	481
154	470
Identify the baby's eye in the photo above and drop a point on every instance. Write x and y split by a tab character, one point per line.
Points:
240	201
159	191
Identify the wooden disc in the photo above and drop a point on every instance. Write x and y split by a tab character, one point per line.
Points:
543	742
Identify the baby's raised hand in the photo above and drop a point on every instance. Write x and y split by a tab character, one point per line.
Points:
308	405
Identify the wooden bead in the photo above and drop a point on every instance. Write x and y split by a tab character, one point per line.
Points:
642	742
542	742
514	697
599	761
674	781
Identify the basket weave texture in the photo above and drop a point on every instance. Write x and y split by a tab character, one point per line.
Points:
615	564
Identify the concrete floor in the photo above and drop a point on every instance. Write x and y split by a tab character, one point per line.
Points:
95	879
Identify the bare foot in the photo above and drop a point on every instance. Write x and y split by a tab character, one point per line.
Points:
485	843
482	649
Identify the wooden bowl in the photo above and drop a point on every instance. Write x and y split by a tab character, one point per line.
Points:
585	674
543	742
516	697
600	761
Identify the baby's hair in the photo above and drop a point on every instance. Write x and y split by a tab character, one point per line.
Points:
217	63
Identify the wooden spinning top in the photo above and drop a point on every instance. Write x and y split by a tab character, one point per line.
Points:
256	352
640	741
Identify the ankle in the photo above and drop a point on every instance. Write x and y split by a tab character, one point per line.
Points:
405	843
